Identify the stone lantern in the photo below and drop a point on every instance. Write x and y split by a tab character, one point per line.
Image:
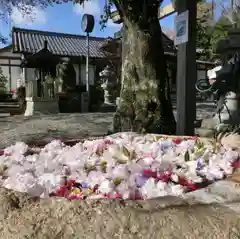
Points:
109	82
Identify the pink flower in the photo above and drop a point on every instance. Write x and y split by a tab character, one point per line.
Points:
236	164
113	196
164	176
189	185
177	141
149	173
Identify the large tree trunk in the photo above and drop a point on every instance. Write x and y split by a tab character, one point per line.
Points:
145	104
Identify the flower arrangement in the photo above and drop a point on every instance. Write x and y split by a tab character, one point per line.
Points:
126	166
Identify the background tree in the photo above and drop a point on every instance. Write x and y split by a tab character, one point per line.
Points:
228	20
205	21
219	30
210	30
3	82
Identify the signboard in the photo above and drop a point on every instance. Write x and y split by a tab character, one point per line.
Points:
181	28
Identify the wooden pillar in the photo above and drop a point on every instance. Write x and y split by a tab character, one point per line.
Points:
187	72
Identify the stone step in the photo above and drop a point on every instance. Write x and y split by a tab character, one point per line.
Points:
9	105
4	115
12	110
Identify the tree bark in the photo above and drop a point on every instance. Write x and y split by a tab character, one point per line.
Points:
145	104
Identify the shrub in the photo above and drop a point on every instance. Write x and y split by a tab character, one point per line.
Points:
3	83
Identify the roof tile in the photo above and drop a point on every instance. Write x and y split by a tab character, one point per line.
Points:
31	41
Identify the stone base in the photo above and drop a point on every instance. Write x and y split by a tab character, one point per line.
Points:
204	132
107	107
34	107
212	212
209	123
210	126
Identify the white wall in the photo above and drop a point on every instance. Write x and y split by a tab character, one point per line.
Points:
91	72
10	67
76	68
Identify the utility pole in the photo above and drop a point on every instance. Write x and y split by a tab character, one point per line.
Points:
87	26
87	65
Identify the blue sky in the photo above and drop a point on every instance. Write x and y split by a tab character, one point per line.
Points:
66	18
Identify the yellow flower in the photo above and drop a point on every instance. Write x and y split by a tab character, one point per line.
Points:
90	190
76	191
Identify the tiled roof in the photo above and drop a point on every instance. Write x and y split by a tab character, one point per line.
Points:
31	41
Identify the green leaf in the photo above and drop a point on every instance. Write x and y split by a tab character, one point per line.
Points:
187	156
117	181
89	168
125	151
103	166
199	144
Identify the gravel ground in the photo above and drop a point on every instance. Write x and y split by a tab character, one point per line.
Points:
52	126
47	127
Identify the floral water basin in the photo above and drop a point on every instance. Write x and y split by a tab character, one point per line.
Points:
122	166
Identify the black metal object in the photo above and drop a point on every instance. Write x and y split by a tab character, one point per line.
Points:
87	23
228	77
203	85
227	80
70	102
